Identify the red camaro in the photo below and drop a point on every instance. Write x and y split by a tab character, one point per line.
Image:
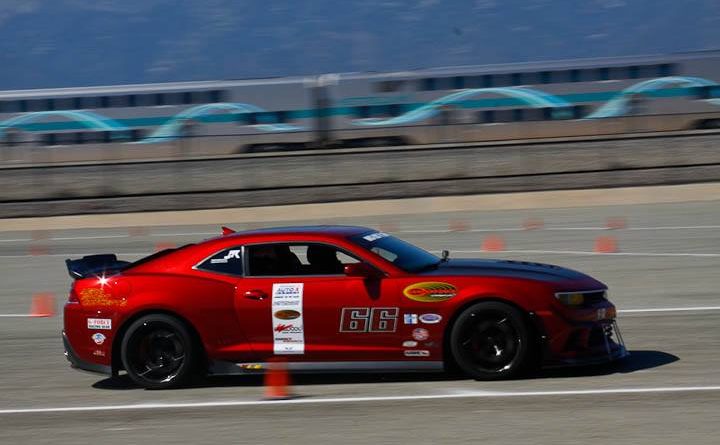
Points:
329	298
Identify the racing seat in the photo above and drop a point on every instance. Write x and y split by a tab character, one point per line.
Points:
273	260
323	260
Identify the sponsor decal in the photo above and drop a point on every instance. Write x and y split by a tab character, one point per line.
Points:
365	319
411	318
430	291
287	299
231	255
430	318
409	344
287	314
420	334
288	328
417	353
251	366
375	236
95	296
98	338
99	323
99	353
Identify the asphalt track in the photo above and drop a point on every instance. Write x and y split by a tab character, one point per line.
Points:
665	281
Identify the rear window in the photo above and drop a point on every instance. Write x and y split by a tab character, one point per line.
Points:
227	262
155	256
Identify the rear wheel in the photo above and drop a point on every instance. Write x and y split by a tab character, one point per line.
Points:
491	341
158	352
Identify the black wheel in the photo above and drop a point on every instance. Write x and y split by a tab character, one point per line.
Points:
158	352
491	341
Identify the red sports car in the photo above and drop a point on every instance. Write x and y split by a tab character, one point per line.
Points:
329	298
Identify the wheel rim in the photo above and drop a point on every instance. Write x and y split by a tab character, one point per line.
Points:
156	352
489	341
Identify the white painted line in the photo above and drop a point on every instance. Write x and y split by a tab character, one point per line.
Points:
69	238
69	255
674	228
671	309
330	400
187	234
18	315
557	229
587	252
17	240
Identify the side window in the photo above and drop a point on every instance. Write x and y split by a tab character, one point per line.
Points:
228	261
296	259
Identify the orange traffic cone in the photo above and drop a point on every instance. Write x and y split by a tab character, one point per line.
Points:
137	231
459	226
616	223
164	246
39	250
493	243
43	305
606	244
277	381
533	224
388	227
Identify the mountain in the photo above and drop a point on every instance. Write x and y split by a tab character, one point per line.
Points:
58	43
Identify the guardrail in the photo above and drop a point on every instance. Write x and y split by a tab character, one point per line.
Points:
355	174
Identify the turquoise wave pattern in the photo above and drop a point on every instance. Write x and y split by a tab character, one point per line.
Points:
172	128
620	104
534	98
88	119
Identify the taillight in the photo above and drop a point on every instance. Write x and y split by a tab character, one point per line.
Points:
73	297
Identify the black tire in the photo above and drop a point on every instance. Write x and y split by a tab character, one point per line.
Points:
158	352
492	341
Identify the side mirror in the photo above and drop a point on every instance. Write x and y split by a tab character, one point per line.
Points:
361	270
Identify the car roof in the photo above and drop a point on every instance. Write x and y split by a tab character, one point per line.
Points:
335	231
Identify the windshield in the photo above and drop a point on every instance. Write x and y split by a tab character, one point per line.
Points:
402	254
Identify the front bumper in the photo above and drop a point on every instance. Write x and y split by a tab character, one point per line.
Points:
77	363
586	343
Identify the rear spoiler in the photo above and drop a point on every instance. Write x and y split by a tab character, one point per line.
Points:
95	265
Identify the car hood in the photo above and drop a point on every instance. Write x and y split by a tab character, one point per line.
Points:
507	268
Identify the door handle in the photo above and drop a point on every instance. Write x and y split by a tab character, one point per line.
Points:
255	295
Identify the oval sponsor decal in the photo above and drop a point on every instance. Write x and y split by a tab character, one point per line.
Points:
409	344
430	318
98	338
430	291
287	314
420	334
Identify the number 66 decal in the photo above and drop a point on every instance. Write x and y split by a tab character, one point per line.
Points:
365	319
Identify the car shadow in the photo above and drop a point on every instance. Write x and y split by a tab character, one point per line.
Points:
639	360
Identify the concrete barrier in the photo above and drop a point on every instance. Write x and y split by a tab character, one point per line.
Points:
366	174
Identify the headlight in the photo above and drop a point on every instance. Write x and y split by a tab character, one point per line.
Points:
581	298
570	298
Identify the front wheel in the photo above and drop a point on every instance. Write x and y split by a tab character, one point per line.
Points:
491	341
158	352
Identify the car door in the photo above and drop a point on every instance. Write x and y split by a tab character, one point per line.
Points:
311	313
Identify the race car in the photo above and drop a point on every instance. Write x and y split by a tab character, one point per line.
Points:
329	299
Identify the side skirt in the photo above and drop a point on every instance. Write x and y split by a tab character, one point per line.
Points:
218	367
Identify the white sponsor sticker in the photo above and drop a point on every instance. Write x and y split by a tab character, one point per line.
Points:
410	318
99	323
375	236
232	255
409	344
288	335
417	353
